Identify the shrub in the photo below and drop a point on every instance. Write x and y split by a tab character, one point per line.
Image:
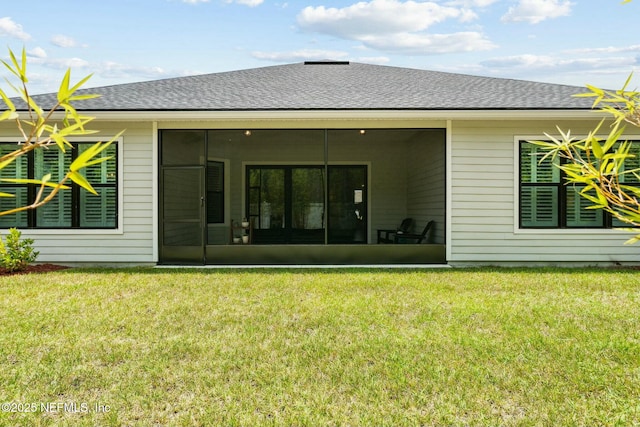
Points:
16	254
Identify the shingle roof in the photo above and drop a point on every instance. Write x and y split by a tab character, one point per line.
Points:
332	86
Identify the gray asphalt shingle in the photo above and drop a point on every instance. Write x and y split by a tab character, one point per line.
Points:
352	86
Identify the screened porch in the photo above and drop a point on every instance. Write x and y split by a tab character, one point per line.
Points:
300	196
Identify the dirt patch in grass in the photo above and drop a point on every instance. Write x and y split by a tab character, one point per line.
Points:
34	268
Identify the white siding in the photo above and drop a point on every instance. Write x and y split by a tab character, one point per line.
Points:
133	241
484	192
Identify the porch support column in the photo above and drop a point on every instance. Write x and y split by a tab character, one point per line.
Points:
326	186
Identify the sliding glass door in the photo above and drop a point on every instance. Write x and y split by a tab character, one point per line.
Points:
287	204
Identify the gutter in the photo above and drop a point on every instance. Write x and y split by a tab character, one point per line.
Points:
346	115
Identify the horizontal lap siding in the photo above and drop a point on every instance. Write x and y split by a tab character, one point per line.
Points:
484	176
135	243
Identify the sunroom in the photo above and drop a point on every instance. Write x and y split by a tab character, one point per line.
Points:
284	196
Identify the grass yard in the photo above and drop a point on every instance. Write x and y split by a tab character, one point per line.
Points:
510	347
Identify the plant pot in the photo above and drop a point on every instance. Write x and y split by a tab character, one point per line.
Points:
237	240
245	239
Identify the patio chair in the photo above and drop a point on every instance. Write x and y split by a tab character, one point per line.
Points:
413	238
386	236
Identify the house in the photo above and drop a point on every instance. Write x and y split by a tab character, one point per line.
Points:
317	157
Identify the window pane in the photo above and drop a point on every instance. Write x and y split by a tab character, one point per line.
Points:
52	161
215	192
631	164
8	203
101	173
98	211
539	206
17	168
57	212
534	171
577	213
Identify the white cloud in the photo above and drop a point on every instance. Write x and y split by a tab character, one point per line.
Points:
378	17
426	44
536	11
471	3
195	1
37	52
110	69
63	41
250	3
61	63
380	60
300	55
610	49
556	65
394	25
11	29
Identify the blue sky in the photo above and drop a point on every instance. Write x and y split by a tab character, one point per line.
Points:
573	42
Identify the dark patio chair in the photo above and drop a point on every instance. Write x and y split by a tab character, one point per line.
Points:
386	236
413	238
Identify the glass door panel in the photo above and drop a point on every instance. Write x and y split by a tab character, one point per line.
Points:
287	204
347	204
267	204
307	204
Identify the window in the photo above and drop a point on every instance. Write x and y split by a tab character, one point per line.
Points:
547	202
73	208
215	192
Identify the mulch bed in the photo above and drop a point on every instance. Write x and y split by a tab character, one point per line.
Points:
34	268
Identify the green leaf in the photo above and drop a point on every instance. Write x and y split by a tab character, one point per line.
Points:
98	161
83	97
7	101
63	91
79	84
34	181
8	115
632	241
597	149
7	162
82	182
84	159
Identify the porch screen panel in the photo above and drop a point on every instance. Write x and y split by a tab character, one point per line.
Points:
182	207
183	147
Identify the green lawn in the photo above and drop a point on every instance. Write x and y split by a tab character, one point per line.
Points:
321	347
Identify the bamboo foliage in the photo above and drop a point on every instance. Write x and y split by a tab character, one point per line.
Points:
42	129
604	168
